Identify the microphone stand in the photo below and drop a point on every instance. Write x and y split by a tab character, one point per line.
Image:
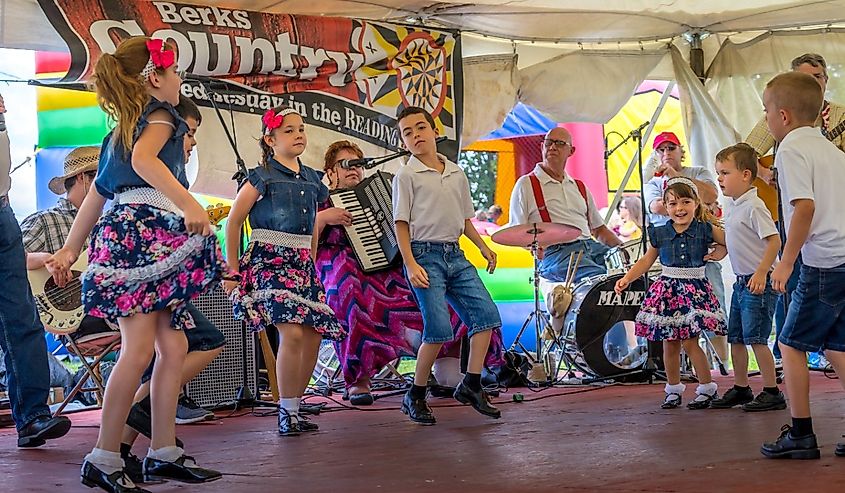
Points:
390	157
244	396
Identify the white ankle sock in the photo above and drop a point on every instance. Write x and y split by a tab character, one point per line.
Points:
106	461
708	389
167	454
291	405
677	388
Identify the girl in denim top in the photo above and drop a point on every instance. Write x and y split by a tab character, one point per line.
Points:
279	284
149	254
680	303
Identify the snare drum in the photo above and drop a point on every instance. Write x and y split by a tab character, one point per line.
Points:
621	258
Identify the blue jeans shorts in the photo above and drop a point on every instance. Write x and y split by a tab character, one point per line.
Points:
204	337
750	320
453	280
556	260
816	317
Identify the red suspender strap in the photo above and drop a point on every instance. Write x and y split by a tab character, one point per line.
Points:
539	199
583	189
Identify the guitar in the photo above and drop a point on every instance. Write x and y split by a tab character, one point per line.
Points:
769	194
60	309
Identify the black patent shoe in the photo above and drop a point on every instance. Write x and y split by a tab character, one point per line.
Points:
133	467
288	425
183	469
306	424
417	410
702	403
116	482
43	428
789	447
140	420
479	401
672	400
840	448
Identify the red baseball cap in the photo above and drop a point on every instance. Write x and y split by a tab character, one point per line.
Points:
666	137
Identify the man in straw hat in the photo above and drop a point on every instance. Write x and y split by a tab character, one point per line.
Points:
21	332
44	232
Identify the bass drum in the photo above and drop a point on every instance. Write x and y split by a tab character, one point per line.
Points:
599	329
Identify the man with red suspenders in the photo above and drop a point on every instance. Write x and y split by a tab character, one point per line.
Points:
548	194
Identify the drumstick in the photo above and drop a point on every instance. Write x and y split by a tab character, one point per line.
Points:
568	270
575	268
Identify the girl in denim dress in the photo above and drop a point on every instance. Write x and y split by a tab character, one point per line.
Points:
149	254
680	303
279	285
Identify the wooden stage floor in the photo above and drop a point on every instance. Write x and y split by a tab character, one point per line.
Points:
574	439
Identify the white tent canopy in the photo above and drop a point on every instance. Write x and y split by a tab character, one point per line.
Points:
578	60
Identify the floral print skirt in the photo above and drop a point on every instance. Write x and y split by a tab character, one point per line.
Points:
280	285
142	259
679	309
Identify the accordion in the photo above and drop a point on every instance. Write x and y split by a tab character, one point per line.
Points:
372	235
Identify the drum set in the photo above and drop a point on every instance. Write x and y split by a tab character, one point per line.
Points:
596	340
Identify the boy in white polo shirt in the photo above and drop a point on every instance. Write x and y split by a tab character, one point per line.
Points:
431	209
753	245
811	180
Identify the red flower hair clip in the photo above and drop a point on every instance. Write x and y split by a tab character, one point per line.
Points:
273	120
159	57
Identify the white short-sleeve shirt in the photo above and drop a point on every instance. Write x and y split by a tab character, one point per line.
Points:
747	225
811	167
435	206
563	202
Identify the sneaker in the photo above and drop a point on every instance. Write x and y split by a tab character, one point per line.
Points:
288	424
188	411
778	363
733	397
765	401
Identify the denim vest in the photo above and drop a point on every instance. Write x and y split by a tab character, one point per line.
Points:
288	200
685	249
115	173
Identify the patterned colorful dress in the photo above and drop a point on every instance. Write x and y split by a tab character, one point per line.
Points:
279	283
378	311
680	303
141	258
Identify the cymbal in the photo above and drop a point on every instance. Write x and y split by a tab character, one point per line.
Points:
523	235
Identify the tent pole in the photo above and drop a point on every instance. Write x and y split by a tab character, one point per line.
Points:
633	164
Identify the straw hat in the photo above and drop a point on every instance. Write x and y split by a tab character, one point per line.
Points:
77	161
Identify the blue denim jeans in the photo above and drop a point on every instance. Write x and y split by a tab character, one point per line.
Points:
816	317
204	337
21	332
556	260
781	308
750	320
454	280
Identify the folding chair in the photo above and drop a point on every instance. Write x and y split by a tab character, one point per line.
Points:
94	339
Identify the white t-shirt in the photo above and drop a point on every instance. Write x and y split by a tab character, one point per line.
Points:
563	202
747	225
811	167
653	190
434	205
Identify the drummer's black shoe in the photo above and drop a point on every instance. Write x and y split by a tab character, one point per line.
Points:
735	396
480	401
417	410
116	482
840	448
789	447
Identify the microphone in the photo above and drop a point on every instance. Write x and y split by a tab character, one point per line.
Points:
356	163
206	80
641	127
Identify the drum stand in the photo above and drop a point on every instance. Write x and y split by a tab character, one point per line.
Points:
540	318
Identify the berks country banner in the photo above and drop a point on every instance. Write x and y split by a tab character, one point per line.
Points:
350	77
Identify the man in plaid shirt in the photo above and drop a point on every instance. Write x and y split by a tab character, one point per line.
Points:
44	232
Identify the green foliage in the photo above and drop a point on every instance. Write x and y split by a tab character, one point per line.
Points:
480	168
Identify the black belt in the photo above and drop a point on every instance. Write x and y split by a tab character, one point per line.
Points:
4	201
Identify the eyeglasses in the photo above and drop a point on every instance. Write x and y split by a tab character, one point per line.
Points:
668	148
555	142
